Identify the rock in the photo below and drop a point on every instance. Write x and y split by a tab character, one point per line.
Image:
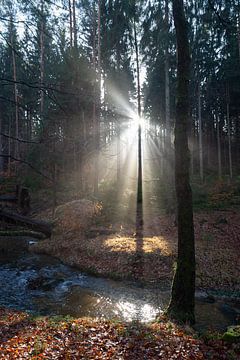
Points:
75	216
42	283
36	283
232	334
210	299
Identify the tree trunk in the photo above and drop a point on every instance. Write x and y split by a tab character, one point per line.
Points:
42	63
1	144
238	31
97	103
9	149
219	149
74	24
95	175
118	153
182	302
70	22
200	132
138	69
118	127
16	147
167	92
229	135
36	225
139	188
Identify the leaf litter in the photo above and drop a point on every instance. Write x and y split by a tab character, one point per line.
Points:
24	337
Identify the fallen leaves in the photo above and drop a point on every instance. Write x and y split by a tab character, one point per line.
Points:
45	338
114	255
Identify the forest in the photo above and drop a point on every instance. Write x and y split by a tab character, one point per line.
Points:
119	179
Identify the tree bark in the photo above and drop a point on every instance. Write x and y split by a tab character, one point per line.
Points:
200	132
219	149
229	134
138	68
1	144
167	85
70	22
238	30
182	302
42	62
75	42
16	147
9	149
97	101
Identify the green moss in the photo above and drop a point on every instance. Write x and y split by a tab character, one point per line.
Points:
232	334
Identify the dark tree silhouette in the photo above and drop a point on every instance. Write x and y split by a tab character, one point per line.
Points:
181	306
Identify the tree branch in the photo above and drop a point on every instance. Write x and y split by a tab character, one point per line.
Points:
222	21
28	164
20	140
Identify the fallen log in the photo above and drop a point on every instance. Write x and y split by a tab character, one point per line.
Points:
21	198
23	233
8	198
36	225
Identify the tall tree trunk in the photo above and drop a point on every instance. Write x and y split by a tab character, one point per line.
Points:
42	62
167	89
118	154
74	24
139	209
9	149
70	22
118	128
238	29
138	68
16	147
219	149
229	133
182	302
1	144
200	132
97	100
139	192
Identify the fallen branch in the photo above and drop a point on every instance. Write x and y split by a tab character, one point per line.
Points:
36	225
28	233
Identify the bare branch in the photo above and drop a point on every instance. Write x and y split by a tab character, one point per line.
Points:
20	140
220	18
28	164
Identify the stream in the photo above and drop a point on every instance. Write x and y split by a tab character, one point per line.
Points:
43	285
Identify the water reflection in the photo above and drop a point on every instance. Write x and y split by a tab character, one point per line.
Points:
130	311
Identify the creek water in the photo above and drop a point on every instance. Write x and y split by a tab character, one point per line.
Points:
43	285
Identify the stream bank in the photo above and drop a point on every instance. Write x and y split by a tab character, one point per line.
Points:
42	284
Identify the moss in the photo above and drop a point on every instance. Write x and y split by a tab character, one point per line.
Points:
232	334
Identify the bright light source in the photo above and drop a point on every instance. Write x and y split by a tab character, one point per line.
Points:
137	120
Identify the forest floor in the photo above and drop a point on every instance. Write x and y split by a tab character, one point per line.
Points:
150	257
120	251
26	337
